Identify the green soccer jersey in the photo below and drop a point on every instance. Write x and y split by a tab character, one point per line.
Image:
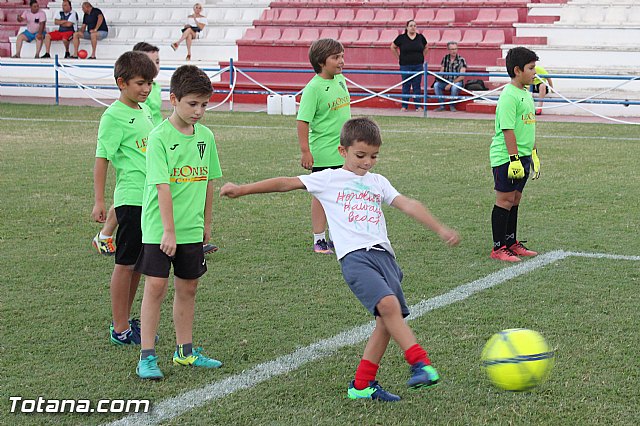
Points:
325	106
122	140
515	111
187	164
154	102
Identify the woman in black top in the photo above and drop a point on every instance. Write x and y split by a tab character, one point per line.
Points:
410	48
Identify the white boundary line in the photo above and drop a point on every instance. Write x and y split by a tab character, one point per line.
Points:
174	407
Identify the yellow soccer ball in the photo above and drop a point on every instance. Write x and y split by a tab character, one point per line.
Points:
517	359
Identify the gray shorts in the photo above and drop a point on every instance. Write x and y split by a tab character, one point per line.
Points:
372	275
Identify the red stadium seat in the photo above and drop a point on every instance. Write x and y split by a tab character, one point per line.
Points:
387	36
507	16
472	37
307	16
493	38
444	17
424	16
402	16
290	35
349	35
485	17
288	16
432	36
252	34
451	35
345	16
325	16
383	17
270	35
329	33
364	17
368	37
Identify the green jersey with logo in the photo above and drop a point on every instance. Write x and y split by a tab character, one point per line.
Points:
122	140
325	106
515	111
187	164
154	102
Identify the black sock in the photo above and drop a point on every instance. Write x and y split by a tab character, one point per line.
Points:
144	353
512	226
499	219
184	350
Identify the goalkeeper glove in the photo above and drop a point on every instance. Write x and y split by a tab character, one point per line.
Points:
535	164
516	170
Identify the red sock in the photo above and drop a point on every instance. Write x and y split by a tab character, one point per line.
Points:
365	373
416	354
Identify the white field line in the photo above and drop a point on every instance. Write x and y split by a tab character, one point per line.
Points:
386	130
173	407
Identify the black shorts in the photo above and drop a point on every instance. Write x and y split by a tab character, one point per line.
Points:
195	29
503	184
536	87
129	234
188	263
319	169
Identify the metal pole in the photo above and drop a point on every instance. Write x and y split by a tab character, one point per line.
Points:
231	83
426	87
57	81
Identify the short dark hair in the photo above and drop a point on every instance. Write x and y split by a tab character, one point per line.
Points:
321	49
361	129
134	64
31	3
519	57
189	79
143	46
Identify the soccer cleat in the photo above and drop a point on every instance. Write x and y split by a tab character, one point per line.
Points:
423	376
135	325
503	253
129	337
520	250
67	55
103	246
196	359
374	392
322	247
209	248
45	56
330	245
147	369
539	111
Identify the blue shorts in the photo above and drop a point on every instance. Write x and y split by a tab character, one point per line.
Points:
101	35
503	184
372	275
32	36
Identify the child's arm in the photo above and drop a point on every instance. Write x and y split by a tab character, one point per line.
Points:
168	242
303	139
208	212
419	212
99	213
279	184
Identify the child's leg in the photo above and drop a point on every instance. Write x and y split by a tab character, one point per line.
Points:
500	217
318	218
394	323
124	283
110	224
373	352
542	94
184	303
512	221
155	290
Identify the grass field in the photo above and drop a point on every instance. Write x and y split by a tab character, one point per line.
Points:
267	295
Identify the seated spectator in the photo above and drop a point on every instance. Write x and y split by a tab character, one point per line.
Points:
94	28
36	20
194	25
540	86
453	63
68	23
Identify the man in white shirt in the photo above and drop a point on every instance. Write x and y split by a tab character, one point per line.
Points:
67	20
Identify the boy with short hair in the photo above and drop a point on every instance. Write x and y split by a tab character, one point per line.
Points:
122	140
324	108
182	162
512	152
353	198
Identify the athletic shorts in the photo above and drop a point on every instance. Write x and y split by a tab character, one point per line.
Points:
536	87
503	184
129	234
188	262
32	36
61	35
319	169
371	275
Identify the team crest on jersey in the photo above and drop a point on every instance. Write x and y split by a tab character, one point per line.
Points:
201	147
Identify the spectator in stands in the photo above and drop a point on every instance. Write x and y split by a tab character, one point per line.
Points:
410	48
68	23
540	86
192	28
36	20
94	28
453	63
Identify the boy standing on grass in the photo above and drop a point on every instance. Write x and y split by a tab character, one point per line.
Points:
352	198
182	162
512	153
324	108
122	140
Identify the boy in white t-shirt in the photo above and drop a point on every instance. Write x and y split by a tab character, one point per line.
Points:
352	199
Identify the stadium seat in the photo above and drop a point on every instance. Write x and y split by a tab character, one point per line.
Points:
144	34
368	37
424	16
214	34
472	37
233	34
252	34
288	16
349	35
444	17
451	35
307	16
160	16
616	15
325	16
345	16
485	17
364	17
507	16
387	36
270	35
432	36
329	33
493	38
290	35
126	33
268	15
308	36
383	17
402	16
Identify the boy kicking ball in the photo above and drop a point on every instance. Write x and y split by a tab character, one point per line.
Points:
352	198
182	162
